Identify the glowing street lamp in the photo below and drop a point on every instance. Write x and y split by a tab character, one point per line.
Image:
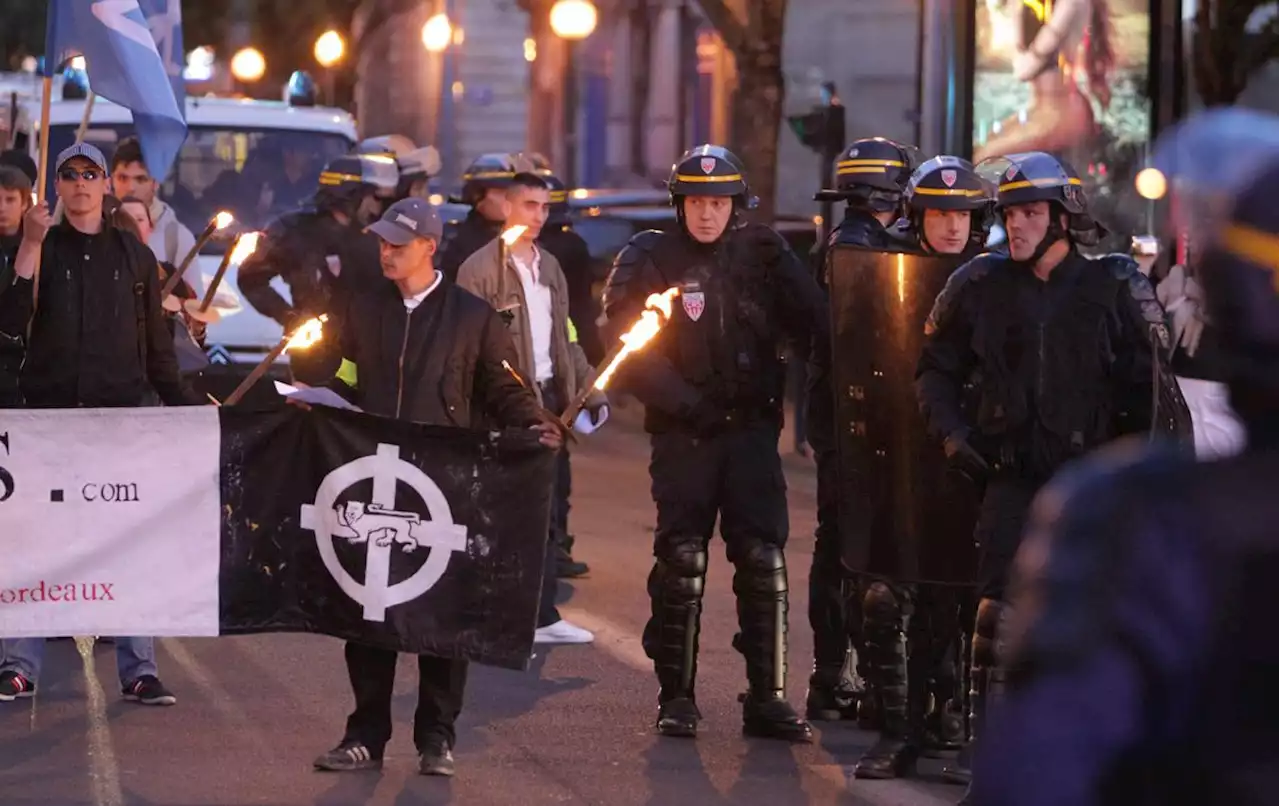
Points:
573	19
329	49
248	65
437	33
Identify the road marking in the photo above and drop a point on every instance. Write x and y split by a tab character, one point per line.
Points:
103	770
611	637
218	696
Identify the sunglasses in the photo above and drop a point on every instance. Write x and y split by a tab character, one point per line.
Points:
88	174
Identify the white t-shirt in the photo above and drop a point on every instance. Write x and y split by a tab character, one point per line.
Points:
538	297
413	302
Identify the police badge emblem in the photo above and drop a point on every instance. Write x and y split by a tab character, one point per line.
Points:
708	164
695	302
949	178
1012	172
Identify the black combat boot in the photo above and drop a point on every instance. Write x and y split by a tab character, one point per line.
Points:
831	697
671	640
767	715
897	750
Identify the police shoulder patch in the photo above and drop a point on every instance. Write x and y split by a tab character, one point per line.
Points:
972	272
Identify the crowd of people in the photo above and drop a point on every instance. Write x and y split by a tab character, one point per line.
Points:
1033	356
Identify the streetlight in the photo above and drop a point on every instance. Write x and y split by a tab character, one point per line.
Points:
329	50
572	21
248	65
437	33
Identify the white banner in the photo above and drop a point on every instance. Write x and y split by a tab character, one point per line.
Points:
109	522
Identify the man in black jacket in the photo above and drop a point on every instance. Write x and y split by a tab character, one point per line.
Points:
95	337
15	200
484	190
419	348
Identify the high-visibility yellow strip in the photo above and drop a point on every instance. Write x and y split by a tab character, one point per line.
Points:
559	197
881	163
1037	7
860	170
489	175
948	192
1252	245
327	178
573	332
725	178
1039	183
348	374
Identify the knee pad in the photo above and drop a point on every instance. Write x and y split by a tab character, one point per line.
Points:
761	572
682	570
881	607
986	628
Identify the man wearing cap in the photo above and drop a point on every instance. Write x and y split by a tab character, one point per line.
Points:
419	348
96	337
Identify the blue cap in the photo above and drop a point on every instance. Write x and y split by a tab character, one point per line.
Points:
85	150
408	219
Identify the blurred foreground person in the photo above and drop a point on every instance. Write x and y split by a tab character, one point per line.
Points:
1141	654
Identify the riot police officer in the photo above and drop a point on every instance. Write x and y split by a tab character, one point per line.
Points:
484	186
1067	352
323	255
711	383
416	165
947	208
870	178
1142	653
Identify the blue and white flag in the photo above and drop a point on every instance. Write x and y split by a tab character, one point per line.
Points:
124	66
164	17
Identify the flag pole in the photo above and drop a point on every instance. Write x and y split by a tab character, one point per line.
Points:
42	173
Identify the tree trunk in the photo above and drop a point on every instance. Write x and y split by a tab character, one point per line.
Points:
757	114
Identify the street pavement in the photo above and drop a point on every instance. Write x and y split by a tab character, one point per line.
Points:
576	728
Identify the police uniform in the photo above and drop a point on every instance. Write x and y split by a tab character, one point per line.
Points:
1064	365
574	255
1141	653
914	557
711	383
869	177
486	172
324	261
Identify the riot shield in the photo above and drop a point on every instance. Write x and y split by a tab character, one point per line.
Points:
902	514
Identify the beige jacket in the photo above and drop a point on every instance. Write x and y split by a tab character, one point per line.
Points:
501	288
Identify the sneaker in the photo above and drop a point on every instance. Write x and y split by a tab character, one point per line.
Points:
14	685
436	759
562	632
348	756
148	690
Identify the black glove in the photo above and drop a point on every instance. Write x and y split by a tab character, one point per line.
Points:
962	457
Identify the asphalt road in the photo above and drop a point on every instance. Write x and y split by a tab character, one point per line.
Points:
253	711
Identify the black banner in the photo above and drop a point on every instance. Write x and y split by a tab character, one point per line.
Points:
902	514
414	538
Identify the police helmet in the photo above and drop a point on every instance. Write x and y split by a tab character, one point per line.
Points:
346	180
1035	176
494	170
949	183
541	165
708	170
1225	161
558	215
873	173
414	164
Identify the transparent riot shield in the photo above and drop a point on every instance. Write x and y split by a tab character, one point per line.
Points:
903	515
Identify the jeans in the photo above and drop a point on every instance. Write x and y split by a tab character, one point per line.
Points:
558	529
135	657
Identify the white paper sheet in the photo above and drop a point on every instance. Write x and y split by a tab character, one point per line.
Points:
315	395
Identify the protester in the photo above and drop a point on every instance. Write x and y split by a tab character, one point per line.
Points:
15	200
169	238
112	353
394	365
530	289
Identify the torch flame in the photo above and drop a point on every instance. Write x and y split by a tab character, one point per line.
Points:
223	220
512	234
245	245
307	334
657	313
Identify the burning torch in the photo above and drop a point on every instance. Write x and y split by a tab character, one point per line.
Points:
306	334
507	240
200	311
219	222
657	312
